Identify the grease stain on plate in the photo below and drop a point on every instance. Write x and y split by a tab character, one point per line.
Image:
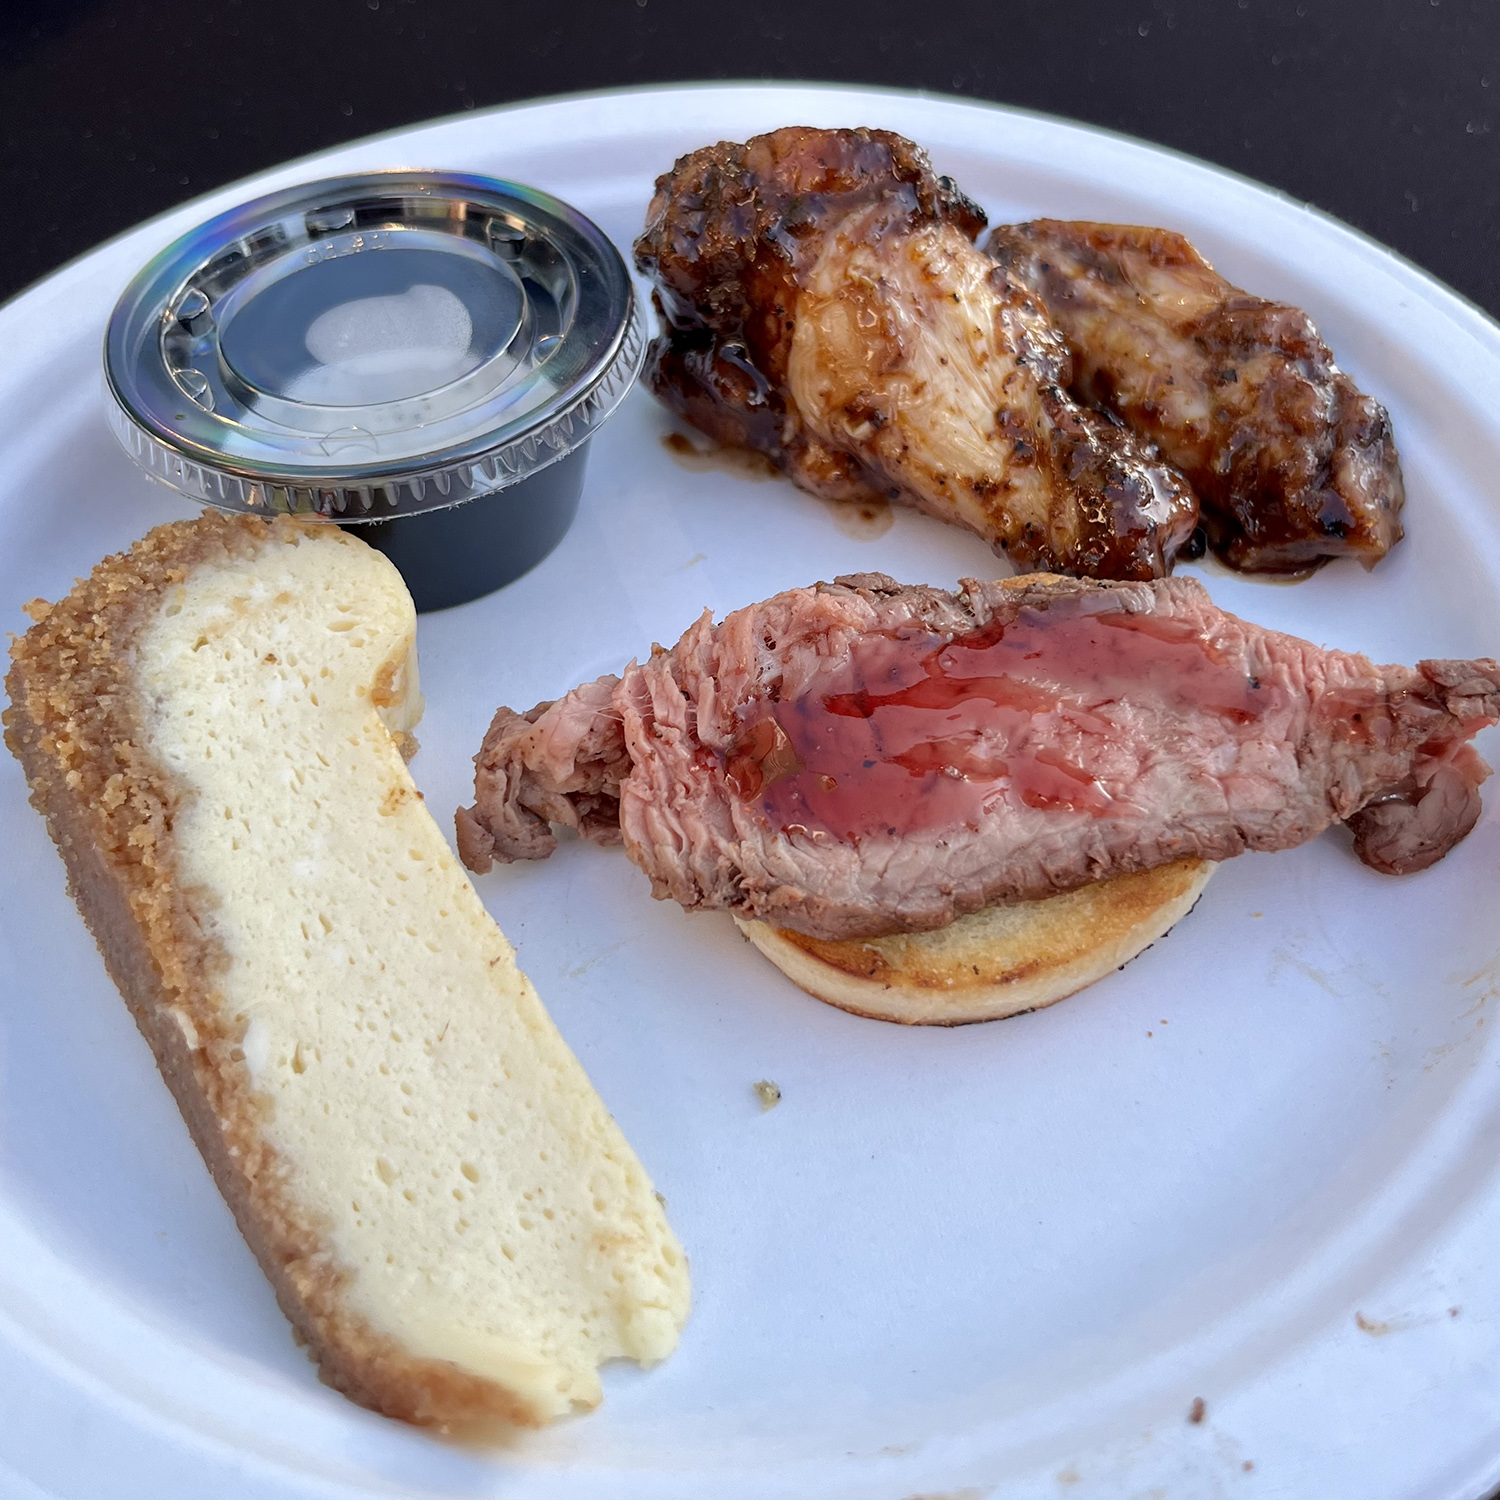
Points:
700	455
862	520
1378	1328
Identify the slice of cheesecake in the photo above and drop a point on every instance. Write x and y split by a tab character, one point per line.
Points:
212	725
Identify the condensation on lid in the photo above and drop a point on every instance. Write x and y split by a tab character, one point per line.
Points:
372	346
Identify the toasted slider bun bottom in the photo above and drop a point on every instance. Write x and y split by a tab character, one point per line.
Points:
999	961
449	1214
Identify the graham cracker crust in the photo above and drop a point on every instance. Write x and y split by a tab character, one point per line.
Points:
74	723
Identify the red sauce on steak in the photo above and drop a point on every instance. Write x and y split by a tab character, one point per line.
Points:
915	730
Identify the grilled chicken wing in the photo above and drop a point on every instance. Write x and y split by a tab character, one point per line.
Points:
1292	464
823	302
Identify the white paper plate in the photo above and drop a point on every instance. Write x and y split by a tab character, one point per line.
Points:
1259	1167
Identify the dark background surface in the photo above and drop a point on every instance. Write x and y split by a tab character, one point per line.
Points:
1383	112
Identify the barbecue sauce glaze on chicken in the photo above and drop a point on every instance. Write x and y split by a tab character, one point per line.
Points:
823	302
1292	463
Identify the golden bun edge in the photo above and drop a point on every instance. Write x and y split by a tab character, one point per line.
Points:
999	962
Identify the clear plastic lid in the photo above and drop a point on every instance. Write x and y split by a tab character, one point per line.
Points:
372	346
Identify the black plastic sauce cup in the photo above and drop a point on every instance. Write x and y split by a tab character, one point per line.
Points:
420	357
448	557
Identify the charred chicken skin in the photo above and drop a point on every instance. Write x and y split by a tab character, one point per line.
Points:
860	757
822	301
1292	464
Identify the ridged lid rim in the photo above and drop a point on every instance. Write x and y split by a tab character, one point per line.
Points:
373	488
